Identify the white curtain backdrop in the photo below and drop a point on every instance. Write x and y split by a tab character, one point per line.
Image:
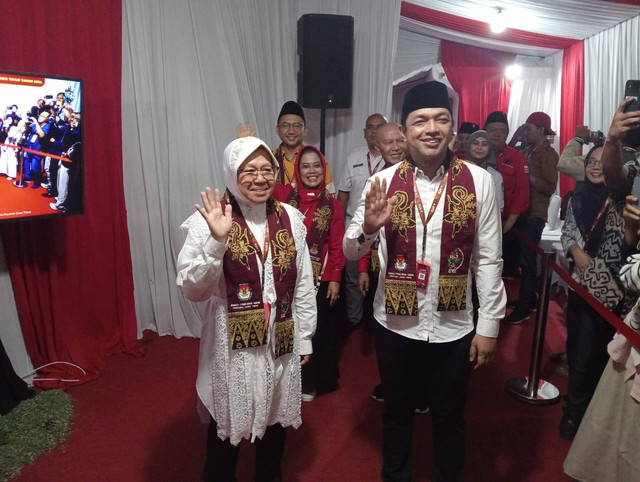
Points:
191	72
414	51
611	58
537	89
10	331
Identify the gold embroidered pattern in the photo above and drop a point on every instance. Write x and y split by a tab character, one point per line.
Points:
403	170
239	245
284	337
452	293
461	205
375	261
402	215
247	329
275	207
321	218
284	251
400	298
456	167
316	267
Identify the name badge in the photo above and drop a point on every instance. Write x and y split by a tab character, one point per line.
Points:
423	270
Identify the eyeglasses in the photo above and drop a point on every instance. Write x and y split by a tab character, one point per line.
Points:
296	126
267	174
594	162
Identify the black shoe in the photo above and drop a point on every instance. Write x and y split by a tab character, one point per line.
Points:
516	317
569	426
47	194
377	394
422	410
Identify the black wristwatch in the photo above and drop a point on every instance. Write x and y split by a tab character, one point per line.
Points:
361	238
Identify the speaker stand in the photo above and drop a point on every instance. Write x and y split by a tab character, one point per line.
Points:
323	112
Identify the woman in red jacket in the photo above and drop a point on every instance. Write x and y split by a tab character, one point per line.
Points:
324	220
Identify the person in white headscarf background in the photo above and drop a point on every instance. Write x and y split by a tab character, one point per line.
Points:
480	152
245	256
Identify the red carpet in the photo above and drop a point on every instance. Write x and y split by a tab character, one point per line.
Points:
137	422
17	202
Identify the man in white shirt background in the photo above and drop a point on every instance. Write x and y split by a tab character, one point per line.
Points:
362	163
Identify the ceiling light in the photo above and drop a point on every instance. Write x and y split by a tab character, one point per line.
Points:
498	22
513	72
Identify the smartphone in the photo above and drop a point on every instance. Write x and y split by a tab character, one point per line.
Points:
632	89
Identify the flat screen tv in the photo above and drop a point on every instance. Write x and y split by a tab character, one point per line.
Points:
41	154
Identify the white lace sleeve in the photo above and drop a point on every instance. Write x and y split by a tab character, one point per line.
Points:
200	260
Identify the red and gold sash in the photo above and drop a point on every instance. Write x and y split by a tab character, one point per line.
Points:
374	264
321	214
284	176
456	244
458	235
248	315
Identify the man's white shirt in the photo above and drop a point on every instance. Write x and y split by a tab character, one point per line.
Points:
486	263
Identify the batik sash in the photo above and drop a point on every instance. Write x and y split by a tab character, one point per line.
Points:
456	243
458	235
248	315
400	280
321	215
284	176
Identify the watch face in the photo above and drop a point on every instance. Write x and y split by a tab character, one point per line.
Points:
361	238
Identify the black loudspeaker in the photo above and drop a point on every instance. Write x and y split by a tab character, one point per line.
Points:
325	47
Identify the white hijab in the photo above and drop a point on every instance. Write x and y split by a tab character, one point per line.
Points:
234	155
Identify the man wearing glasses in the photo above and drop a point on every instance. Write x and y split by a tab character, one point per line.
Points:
291	130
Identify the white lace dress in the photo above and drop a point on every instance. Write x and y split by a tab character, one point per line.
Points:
246	390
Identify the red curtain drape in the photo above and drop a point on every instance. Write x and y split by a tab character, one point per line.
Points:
477	75
572	103
72	276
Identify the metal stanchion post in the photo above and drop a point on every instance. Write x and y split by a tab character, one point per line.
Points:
20	182
532	389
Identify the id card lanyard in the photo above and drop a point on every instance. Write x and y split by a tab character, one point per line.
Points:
262	256
376	168
423	267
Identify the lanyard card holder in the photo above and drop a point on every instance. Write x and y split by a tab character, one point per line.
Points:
423	270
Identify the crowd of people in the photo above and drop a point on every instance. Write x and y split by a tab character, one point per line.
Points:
423	229
41	148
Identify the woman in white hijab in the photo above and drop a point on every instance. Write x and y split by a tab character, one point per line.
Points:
245	255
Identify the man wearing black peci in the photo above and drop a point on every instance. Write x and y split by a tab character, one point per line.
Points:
437	219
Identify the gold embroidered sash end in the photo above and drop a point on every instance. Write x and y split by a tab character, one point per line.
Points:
401	298
284	337
452	293
246	329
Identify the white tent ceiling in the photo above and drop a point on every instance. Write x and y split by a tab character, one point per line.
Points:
575	19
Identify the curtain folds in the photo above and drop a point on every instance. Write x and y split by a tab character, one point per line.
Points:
477	28
611	58
572	104
537	89
71	277
192	72
489	90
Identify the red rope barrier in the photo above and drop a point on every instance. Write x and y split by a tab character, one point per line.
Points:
593	302
40	153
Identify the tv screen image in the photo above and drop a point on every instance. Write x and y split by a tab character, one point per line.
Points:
41	154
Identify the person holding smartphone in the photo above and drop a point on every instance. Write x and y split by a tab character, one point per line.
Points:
605	446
